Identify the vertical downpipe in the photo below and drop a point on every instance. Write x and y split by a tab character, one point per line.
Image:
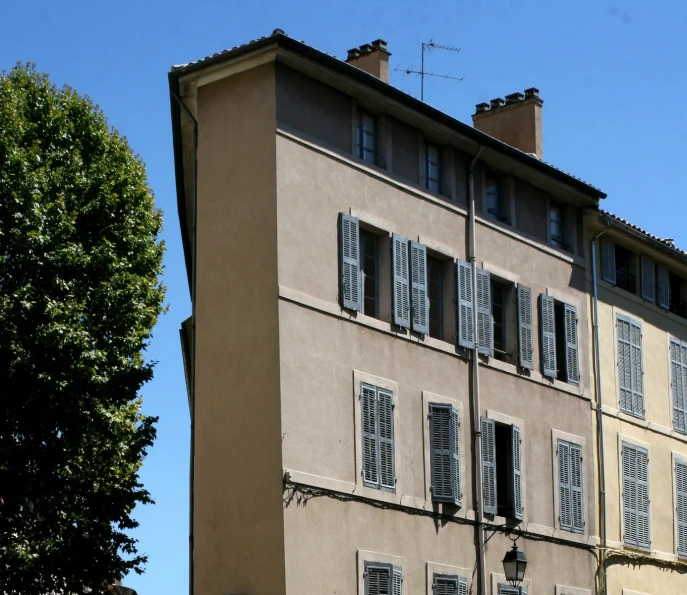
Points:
476	406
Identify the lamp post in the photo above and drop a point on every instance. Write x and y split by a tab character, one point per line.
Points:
514	565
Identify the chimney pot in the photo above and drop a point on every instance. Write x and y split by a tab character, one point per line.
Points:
514	98
481	107
373	58
379	44
498	102
366	48
531	92
278	32
353	54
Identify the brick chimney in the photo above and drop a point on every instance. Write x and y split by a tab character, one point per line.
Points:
515	121
373	58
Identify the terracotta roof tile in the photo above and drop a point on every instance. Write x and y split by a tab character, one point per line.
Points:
666	242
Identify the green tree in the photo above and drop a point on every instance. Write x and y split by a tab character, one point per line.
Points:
80	291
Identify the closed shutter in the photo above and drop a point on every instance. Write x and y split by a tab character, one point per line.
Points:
510	590
643	529
455	456
635	467
418	289
401	285
547	323
564	488
663	286
398	581
525	344
466	335
386	439
607	260
637	370
368	416
517	473
576	488
349	262
488	465
681	507
462	586
378	579
678	376
484	324
630	372
445	584
571	353
440	438
647	278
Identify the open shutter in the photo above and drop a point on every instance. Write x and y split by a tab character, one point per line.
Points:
368	406
445	584
624	363
663	286
440	438
681	507
607	260
678	375
455	456
466	335
637	370
462	586
647	280
643	529
564	489
484	318
547	323
517	473
398	581
387	472
349	262
418	288
488	465
401	293
571	357
378	579
525	345
576	488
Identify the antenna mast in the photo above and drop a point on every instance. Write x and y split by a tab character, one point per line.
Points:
429	46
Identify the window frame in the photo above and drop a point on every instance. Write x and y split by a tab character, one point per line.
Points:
559	240
634	443
556	437
433	568
361	134
366	235
365	557
428	181
436	263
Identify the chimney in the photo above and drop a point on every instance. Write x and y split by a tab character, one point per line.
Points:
515	121
373	58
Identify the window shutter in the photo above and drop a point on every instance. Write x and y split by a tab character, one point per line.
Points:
624	363
635	461
647	278
564	490
462	586
440	438
637	371
466	335
401	294
663	283
517	473
349	264
629	495
387	472
678	375
484	318
547	323
576	488
488	466
681	508
525	348
571	357
643	529
398	581
445	584
418	291
608	260
455	456
378	579
509	590
368	417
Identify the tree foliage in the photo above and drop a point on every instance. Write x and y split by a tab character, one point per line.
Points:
80	263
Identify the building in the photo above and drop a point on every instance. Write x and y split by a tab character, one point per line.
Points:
641	284
387	377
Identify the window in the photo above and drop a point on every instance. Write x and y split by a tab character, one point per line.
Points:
558	330
681	506
630	374
498	311
647	280
677	305
369	269
448	584
494	210
663	286
366	137
432	168
618	265
436	297
678	382
556	226
444	432
501	469
635	473
377	429
383	579
570	501
510	590
410	300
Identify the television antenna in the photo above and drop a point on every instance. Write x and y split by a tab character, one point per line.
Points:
429	46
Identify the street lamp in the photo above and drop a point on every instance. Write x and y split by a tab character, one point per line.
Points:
514	564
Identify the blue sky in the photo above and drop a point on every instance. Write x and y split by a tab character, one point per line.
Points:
612	76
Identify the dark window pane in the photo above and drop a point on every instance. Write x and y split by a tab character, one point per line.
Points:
625	279
498	312
561	372
556	222
435	297
369	267
366	137
494	200
504	468
432	168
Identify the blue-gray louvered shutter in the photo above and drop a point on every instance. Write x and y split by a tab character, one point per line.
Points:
446	584
637	369
547	323
525	343
398	581
663	286
387	472
624	363
643	529
564	488
608	260
571	353
485	336
576	488
418	288
510	590
466	323
455	456
368	416
488	465
349	262
401	281
681	507
440	441
647	280
378	579
462	586
678	376
635	461
517	473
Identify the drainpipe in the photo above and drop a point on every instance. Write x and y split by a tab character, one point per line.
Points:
476	407
192	372
599	417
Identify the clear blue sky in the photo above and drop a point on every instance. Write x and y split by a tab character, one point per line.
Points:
612	76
